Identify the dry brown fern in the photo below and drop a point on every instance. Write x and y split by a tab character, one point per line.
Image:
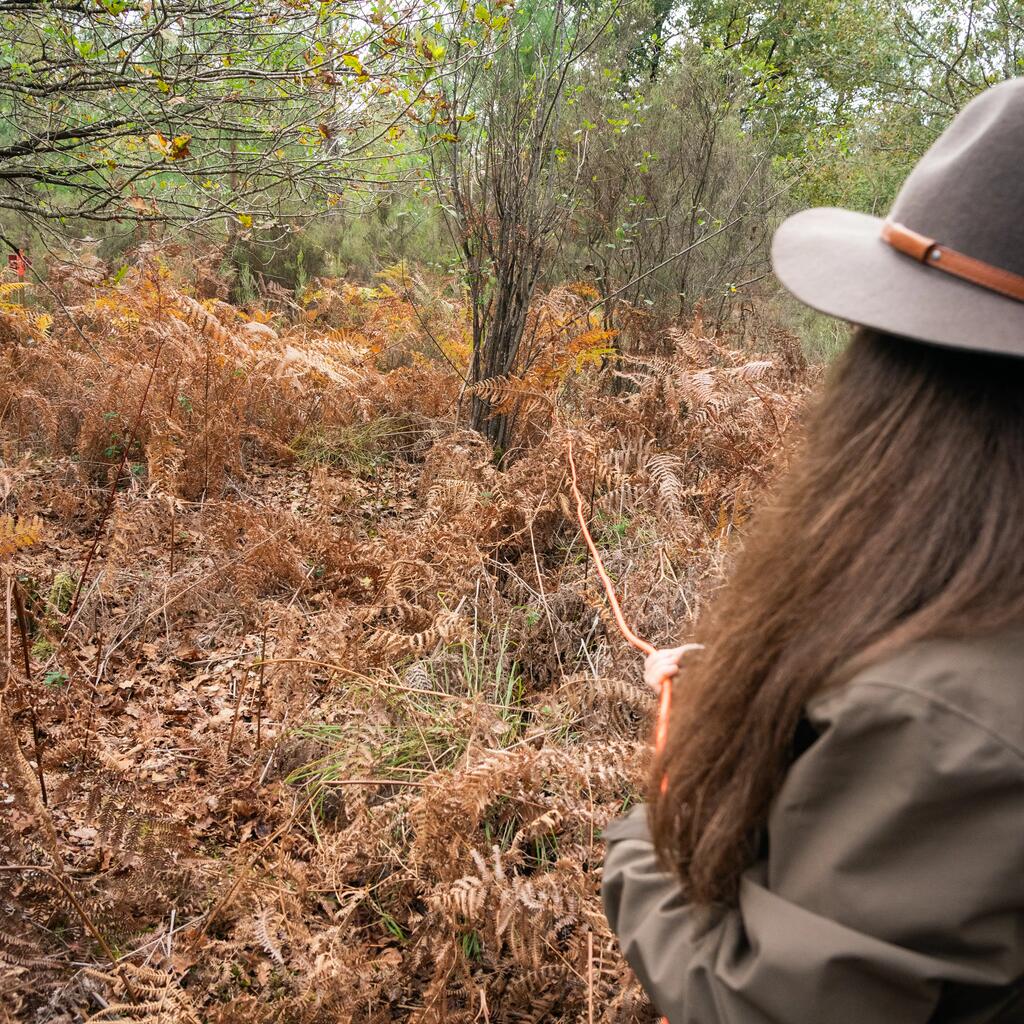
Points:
158	997
338	724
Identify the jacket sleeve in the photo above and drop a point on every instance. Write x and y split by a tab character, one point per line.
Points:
894	879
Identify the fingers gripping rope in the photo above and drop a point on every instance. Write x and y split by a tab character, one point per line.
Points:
665	691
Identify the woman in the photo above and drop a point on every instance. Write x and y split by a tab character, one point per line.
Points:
836	826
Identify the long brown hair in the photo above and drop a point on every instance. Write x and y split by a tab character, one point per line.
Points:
899	519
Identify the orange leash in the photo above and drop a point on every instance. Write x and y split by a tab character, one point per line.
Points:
634	640
665	690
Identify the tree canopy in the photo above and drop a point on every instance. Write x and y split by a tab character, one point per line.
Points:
195	111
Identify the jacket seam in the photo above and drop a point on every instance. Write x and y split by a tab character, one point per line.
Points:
945	705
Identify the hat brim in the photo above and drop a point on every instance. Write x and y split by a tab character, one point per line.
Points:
836	262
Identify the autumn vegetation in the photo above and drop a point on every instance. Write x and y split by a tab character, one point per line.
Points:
311	708
328	712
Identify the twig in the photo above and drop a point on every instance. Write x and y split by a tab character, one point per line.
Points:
7	622
259	689
174	509
381	782
206	421
37	740
234	718
634	641
590	977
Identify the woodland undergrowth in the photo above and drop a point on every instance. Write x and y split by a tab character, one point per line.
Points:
313	710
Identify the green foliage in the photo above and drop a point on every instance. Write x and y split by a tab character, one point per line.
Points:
851	92
528	142
244	291
361	447
223	115
357	242
42	647
665	165
61	592
55	679
471	945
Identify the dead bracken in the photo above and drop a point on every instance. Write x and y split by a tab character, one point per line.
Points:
313	707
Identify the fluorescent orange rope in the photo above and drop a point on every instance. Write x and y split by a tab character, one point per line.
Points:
634	640
665	689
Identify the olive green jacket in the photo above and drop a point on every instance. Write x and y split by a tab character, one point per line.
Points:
892	889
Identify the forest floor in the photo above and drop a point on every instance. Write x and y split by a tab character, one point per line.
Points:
312	712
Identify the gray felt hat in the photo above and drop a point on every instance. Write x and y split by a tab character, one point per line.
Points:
947	264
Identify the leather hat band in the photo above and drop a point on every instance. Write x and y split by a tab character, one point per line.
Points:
928	251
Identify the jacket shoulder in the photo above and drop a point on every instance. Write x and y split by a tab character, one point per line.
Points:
980	679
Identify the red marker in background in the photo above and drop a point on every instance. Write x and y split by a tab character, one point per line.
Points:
19	263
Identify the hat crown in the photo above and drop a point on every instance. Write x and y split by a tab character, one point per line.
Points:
967	191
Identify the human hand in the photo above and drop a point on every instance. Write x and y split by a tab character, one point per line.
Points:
664	664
